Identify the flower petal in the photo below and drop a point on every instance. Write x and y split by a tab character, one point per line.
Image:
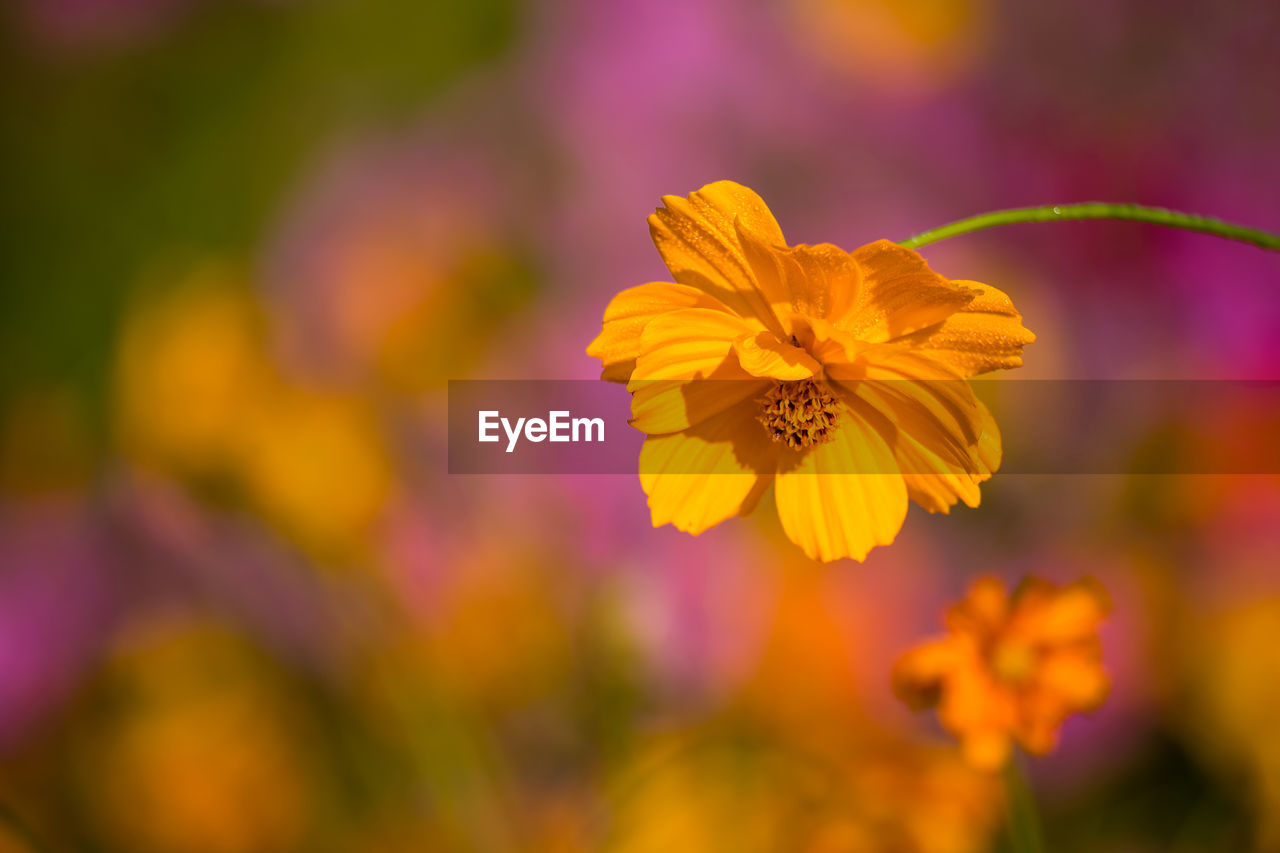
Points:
827	343
762	354
899	294
918	675
814	281
934	480
987	334
1074	614
844	497
698	240
618	344
945	440
699	477
1074	678
986	749
896	379
688	344
687	370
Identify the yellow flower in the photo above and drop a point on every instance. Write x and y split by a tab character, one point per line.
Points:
1011	667
837	377
201	396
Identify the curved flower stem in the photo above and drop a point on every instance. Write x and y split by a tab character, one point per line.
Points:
1098	210
1023	820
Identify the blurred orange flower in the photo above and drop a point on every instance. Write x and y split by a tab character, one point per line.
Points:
848	366
207	747
1012	667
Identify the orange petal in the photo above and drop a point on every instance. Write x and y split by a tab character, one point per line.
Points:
811	280
1075	677
1074	613
899	294
762	354
918	675
987	334
986	749
618	344
983	610
830	345
698	240
972	701
697	478
843	497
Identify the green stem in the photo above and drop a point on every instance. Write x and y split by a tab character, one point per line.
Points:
1023	822
1098	210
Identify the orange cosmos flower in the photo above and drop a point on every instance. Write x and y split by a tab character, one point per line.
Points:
837	377
1011	667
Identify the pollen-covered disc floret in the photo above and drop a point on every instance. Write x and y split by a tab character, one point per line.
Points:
800	414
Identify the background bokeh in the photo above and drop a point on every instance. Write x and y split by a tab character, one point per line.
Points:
243	245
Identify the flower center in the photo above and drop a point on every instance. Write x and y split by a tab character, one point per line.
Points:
799	414
1013	662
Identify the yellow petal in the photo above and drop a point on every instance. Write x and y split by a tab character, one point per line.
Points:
698	240
899	294
987	334
897	379
949	481
811	280
688	344
844	497
687	370
668	405
940	438
618	344
699	477
762	354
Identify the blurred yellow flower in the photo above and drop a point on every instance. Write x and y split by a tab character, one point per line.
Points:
201	397
1230	699
735	786
190	363
1011	667
837	377
315	463
202	749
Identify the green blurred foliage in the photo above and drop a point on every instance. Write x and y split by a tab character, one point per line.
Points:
115	156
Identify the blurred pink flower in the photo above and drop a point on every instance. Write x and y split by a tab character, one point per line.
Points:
57	604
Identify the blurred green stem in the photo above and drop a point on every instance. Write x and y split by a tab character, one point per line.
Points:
1022	818
1098	210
